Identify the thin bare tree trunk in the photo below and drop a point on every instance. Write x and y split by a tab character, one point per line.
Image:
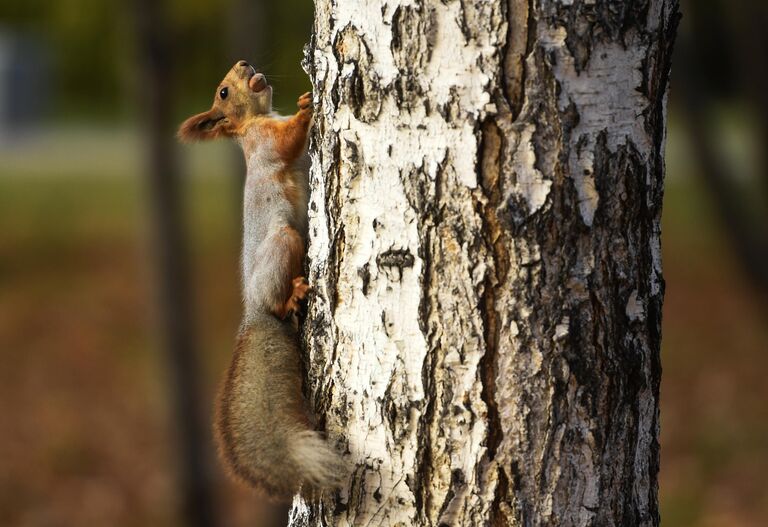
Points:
485	248
179	345
249	35
744	226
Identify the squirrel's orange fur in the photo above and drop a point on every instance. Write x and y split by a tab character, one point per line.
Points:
261	426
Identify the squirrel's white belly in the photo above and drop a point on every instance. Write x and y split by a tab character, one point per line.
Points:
267	210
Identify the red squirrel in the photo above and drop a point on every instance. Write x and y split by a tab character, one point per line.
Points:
261	426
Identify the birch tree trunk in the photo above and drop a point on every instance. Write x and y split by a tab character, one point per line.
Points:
484	246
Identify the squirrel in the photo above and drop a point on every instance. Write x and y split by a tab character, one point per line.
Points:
261	427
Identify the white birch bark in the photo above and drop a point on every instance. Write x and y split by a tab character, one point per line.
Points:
484	246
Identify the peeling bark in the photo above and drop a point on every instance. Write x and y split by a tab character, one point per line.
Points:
484	245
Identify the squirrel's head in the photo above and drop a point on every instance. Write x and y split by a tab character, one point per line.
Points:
242	96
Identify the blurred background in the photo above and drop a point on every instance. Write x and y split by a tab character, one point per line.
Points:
119	277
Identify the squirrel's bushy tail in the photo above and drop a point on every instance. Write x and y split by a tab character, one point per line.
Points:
261	425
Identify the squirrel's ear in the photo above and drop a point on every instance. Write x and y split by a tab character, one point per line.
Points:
206	125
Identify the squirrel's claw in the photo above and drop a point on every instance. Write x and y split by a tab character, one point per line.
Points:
300	291
300	288
305	102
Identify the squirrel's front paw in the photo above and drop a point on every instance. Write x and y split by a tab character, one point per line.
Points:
305	102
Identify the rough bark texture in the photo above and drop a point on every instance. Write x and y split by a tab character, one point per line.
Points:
484	244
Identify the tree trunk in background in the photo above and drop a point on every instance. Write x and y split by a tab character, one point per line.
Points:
484	244
248	31
179	345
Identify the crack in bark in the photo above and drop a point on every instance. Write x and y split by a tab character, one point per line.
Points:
491	147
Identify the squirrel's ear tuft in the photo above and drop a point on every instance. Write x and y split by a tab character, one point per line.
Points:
204	126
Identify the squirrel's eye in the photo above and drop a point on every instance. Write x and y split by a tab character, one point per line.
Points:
223	93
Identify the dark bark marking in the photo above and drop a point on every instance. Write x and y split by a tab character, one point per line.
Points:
351	154
395	261
600	22
337	250
414	32
365	275
361	90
